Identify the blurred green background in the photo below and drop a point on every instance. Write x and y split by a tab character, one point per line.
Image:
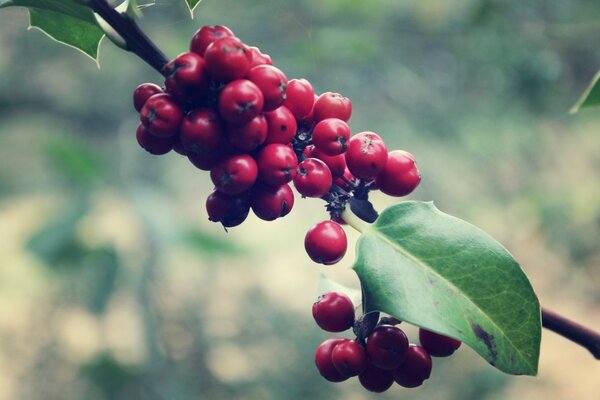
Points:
114	285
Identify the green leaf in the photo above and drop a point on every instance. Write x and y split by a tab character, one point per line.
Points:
192	4
446	275
327	285
590	97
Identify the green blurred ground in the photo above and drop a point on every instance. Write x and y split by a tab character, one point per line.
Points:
113	284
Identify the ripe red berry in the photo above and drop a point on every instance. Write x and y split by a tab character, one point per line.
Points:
282	125
142	93
240	101
300	97
276	164
185	76
366	155
323	360
326	242
200	132
400	176
332	105
376	379
272	82
206	35
415	369
438	345
336	164
270	203
333	312
226	59
257	58
331	136
228	210
161	115
313	178
387	347
349	358
249	136
178	147
153	144
234	174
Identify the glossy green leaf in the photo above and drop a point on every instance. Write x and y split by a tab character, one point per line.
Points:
444	274
192	4
590	97
327	285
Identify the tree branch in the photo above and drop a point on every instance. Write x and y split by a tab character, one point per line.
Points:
573	331
136	40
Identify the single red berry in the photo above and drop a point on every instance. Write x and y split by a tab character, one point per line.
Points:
336	164
249	136
323	360
313	178
234	174
161	115
300	97
200	132
366	155
282	126
226	59
240	101
333	312
178	148
206	35
185	76
326	242
153	144
400	176
349	358
206	161
276	164
228	210
387	347
307	122
270	203
272	82
142	93
415	369
331	136
438	345
258	58
375	379
332	105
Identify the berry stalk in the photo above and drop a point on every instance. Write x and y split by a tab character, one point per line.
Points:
572	331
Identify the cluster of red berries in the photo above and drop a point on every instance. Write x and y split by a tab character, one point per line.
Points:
231	112
378	357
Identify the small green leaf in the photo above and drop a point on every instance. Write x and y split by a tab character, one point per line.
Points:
446	275
590	97
327	285
192	4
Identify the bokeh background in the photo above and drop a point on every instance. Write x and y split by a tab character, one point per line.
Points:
114	285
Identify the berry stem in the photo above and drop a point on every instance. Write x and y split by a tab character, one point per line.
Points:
136	41
354	221
573	331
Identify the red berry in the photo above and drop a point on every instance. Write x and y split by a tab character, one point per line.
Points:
142	93
272	82
200	132
249	136
161	115
178	147
300	98
324	362
234	174
226	59
270	203
387	347
400	176
333	312
206	35
153	144
185	75
313	178
276	164
331	136
366	155
282	126
346	181
228	210
376	379
326	242
438	345
349	358
240	101
257	58
415	369
332	105
336	164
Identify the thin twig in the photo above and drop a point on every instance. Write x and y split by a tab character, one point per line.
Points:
573	331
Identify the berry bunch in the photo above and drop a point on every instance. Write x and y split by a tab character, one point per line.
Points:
378	355
231	112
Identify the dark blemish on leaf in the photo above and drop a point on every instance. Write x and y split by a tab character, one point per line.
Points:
487	339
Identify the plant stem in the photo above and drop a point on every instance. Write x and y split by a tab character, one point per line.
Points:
137	42
573	331
355	222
